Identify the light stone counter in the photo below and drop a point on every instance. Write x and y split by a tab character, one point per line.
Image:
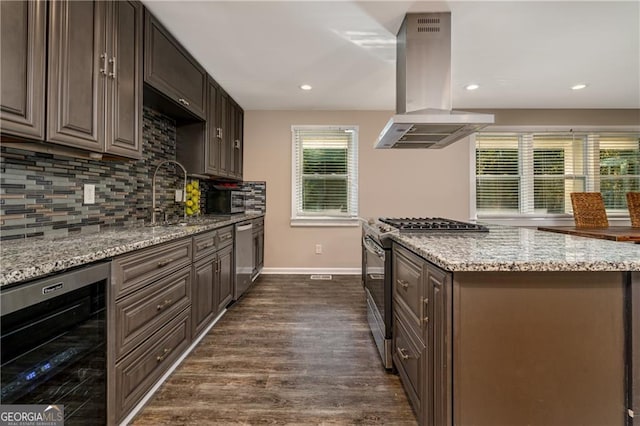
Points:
30	258
521	249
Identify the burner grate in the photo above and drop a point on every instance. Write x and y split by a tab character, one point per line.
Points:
412	224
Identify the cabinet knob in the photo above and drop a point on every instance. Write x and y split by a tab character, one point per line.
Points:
164	304
219	132
183	101
426	301
402	283
160	358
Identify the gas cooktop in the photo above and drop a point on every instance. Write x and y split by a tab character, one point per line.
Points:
413	224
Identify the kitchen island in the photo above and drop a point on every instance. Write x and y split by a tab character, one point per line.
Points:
517	326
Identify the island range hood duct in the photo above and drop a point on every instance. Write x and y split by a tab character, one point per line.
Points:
424	118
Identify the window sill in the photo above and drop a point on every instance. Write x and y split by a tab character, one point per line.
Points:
324	221
561	220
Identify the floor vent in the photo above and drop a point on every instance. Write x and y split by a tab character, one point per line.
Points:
321	277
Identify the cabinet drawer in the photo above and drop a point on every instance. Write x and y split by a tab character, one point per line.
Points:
141	314
225	236
171	70
139	370
408	285
134	271
204	244
408	359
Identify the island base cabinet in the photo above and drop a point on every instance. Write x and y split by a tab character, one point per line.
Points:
139	370
409	357
539	348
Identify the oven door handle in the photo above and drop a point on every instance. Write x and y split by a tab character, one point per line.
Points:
371	246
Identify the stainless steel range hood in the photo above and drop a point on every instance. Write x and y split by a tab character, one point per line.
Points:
424	117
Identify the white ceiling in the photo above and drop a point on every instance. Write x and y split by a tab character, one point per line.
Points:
523	54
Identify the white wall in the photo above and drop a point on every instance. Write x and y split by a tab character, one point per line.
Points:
391	183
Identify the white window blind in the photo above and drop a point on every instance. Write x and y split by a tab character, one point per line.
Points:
325	173
533	174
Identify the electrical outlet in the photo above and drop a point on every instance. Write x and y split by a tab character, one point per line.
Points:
179	196
89	193
318	248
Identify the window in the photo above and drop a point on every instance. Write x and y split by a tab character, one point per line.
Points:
533	174
325	175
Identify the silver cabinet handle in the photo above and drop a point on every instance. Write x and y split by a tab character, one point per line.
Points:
183	101
404	284
207	245
103	57
163	263
112	61
426	301
237	144
403	353
219	132
164	304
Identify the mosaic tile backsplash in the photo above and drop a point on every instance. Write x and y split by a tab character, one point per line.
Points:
42	194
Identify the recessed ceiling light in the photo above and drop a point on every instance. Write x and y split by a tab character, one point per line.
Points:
578	86
306	87
471	86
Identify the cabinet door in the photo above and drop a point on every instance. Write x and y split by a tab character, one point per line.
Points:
225	277
77	68
22	69
124	89
214	130
438	283
225	146
203	295
260	249
239	147
171	70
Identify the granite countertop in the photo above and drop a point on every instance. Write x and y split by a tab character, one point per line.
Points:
31	258
521	249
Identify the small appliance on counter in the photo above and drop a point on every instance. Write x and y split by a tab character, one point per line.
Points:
225	198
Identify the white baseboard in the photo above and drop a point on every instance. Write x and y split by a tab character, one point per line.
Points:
309	271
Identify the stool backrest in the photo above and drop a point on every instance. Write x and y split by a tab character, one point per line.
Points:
588	210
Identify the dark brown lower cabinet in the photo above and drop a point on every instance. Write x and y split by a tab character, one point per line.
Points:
139	370
204	292
225	277
514	348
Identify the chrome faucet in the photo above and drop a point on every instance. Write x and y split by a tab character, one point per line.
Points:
155	210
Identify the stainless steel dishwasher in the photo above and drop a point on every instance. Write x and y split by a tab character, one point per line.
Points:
243	257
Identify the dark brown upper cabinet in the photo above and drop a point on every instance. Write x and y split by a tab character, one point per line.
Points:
171	70
95	76
210	149
124	83
237	153
22	68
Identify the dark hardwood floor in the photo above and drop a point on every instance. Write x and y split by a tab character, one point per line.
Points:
292	351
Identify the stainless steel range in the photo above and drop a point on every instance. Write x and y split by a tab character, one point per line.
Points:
376	268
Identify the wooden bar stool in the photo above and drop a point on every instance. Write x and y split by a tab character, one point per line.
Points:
588	210
633	204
